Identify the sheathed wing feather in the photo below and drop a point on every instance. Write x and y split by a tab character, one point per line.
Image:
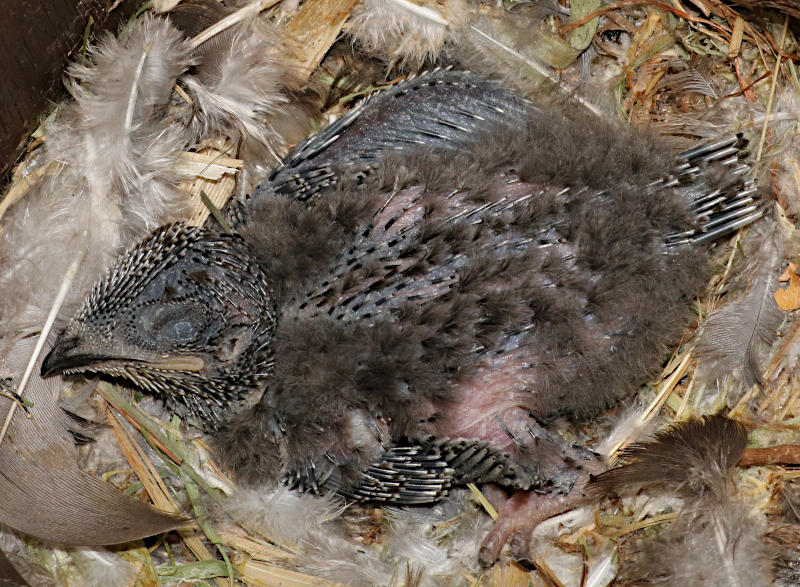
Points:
439	110
413	474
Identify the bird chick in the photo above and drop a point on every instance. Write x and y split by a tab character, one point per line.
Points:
415	292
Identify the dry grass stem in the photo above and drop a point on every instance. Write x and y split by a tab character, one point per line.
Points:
317	26
772	90
483	501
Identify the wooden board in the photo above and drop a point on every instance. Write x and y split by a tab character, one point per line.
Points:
37	38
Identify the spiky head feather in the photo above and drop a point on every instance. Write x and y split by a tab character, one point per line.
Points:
190	312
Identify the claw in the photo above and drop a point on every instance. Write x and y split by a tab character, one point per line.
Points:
520	544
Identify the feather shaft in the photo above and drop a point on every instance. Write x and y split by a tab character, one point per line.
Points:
234	18
132	95
538	67
423	11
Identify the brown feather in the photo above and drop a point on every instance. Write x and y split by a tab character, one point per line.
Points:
691	457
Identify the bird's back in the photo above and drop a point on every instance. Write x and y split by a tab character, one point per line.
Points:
527	259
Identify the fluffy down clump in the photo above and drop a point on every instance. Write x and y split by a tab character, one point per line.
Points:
407	32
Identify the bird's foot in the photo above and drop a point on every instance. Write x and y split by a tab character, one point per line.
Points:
522	512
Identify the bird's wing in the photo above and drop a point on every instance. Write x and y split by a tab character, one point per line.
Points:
389	252
421	245
438	110
412	473
716	178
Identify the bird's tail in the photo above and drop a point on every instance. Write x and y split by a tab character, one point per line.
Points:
717	178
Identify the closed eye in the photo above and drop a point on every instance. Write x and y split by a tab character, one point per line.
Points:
171	324
181	330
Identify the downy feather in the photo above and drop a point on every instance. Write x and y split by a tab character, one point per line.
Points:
441	541
715	539
247	87
407	32
693	458
311	524
116	135
112	150
102	567
281	515
733	334
786	538
711	543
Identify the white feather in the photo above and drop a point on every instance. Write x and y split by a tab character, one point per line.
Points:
102	567
310	524
711	543
116	138
411	538
405	31
281	515
113	150
440	541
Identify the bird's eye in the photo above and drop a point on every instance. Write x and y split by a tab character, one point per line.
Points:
182	330
171	324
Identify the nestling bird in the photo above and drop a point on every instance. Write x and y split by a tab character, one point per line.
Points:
412	295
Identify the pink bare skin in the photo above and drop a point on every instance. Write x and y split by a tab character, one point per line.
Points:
497	406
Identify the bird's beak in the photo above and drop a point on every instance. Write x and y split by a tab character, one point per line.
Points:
70	355
67	355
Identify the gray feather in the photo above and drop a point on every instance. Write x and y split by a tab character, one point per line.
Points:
715	539
711	543
112	151
693	457
247	87
683	77
45	494
733	334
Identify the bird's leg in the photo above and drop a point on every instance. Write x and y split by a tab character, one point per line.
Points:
567	473
520	514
